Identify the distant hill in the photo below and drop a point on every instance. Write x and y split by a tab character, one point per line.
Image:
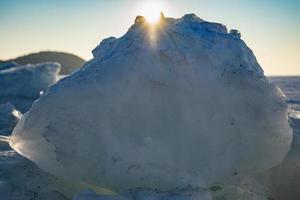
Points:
69	62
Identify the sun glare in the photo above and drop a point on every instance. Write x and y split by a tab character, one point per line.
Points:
151	10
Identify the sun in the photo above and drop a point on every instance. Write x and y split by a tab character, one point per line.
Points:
152	10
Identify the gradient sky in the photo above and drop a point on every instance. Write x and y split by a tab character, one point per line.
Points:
271	28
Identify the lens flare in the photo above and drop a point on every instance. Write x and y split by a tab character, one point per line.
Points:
151	10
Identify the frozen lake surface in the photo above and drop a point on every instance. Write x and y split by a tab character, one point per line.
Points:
291	88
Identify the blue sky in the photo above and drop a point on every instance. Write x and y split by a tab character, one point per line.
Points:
271	28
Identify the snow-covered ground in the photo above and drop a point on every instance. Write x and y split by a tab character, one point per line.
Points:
181	110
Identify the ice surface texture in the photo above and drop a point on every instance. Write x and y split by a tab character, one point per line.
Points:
9	117
8	65
180	103
147	194
27	81
21	85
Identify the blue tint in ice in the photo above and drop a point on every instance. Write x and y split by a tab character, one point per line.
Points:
183	103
